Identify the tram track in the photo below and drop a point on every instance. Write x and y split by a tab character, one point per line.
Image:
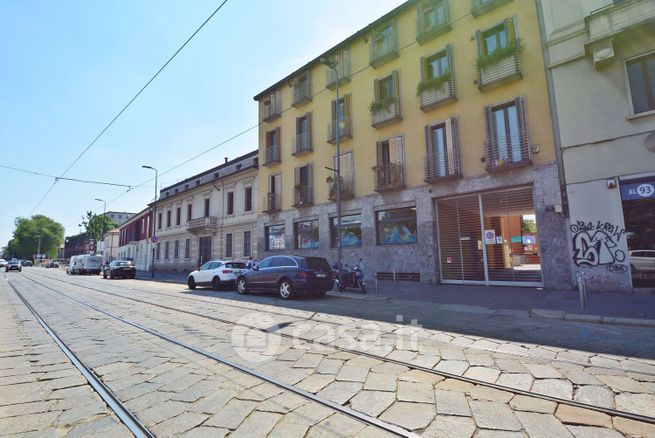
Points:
609	411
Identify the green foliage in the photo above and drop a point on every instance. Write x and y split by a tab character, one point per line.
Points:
96	226
382	104
25	242
515	47
433	84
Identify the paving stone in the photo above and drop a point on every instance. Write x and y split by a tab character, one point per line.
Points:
329	366
402	355
73	415
411	416
336	425
27	423
494	415
643	404
593	432
206	432
452	354
380	382
286	430
511	366
574	415
446	426
415	392
543	371
517	381
373	432
633	428
554	387
457	367
103	426
604	362
451	403
622	383
352	373
231	414
420	376
147	400
484	374
542	425
532	404
479	359
340	392
161	412
372	403
293	376
316	382
455	385
257	424
580	377
481	392
308	415
308	360
595	395
25	408
486	433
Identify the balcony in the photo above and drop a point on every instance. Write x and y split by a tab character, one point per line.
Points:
302	196
302	93
202	225
385	111
301	144
433	22
345	131
383	49
273	202
272	155
347	190
272	108
436	92
507	152
479	7
501	69
615	18
442	167
342	71
389	177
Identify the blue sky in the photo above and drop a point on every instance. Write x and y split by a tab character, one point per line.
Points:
67	67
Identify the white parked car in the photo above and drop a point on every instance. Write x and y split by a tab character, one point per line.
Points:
216	273
3	263
642	260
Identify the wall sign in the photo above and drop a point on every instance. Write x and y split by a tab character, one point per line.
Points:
639	190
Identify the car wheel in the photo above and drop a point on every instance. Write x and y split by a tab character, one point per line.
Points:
132	276
216	283
242	286
111	275
191	283
104	275
286	289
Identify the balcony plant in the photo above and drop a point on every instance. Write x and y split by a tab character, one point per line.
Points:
515	47
433	83
382	104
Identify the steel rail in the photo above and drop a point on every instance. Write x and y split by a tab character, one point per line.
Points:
127	418
396	430
575	403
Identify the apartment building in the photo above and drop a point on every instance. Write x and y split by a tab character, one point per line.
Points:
448	167
118	217
601	65
109	245
134	240
211	215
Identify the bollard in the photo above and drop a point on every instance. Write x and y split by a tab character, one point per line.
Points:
582	289
376	285
394	279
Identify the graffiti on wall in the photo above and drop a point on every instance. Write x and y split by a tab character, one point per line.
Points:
596	244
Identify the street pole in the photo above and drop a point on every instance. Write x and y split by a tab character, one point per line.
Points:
154	217
104	212
38	251
104	205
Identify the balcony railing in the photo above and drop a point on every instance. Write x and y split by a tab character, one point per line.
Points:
383	49
386	115
343	71
479	7
303	195
506	152
345	131
617	17
502	71
273	202
347	190
434	97
272	155
302	93
444	166
389	176
202	224
301	144
272	109
433	22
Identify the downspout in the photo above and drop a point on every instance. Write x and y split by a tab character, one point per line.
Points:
220	229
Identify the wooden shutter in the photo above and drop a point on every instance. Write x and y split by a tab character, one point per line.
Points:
296	176
396	150
376	89
268	138
346	110
480	43
278	135
522	112
395	81
309	129
310	175
334	110
449	54
378	147
510	27
424	68
491	128
451	145
428	141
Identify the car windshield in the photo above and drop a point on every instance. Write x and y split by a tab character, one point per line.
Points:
123	263
317	264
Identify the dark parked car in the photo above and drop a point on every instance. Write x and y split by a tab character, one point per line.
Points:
289	276
119	268
52	265
26	262
13	265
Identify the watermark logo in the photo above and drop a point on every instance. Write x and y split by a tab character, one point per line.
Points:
254	338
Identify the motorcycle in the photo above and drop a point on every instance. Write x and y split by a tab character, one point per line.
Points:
352	277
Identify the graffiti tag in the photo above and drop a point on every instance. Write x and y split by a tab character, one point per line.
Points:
597	245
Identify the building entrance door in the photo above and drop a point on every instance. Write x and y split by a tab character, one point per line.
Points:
489	238
204	249
638	199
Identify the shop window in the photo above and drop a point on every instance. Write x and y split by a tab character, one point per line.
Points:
397	226
351	231
307	234
275	238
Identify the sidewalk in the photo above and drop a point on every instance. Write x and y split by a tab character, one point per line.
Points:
605	307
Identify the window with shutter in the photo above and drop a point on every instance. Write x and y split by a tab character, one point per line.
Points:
442	155
432	19
499	50
389	173
508	136
385	108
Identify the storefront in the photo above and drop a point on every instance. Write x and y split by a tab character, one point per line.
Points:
638	203
489	238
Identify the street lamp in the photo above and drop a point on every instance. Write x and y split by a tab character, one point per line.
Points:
332	64
104	205
153	239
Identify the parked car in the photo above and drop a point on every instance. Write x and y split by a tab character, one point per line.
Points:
13	265
85	264
642	260
3	263
216	273
52	264
119	268
26	262
288	275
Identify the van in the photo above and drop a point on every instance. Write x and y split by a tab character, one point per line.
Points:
86	264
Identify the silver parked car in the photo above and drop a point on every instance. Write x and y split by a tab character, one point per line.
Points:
642	260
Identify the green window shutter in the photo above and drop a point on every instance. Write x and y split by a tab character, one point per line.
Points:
395	83
480	43
376	89
491	129
449	54
424	68
521	110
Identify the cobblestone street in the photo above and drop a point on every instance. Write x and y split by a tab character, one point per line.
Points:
169	356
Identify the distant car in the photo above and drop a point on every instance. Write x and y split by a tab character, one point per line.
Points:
3	263
52	265
216	273
26	262
288	275
13	265
642	260
119	268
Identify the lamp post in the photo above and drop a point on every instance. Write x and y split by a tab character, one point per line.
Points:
104	205
153	239
331	63
38	250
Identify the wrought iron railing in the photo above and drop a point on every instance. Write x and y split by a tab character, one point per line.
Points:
303	195
442	166
433	22
389	176
346	189
436	96
345	127
383	49
479	7
501	71
302	143
203	222
273	202
272	154
302	92
342	71
272	109
386	115
507	151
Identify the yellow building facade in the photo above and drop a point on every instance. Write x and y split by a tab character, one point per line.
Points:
448	165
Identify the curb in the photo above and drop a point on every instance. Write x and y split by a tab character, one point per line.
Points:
595	319
356	296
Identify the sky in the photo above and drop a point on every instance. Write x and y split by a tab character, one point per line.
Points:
68	67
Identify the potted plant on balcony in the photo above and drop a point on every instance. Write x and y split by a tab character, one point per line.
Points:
382	104
433	83
515	47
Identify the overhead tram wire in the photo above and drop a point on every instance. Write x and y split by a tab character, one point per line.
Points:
85	181
128	104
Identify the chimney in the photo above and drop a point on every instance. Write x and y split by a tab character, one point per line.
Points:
225	160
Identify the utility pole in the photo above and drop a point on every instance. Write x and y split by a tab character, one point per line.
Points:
153	239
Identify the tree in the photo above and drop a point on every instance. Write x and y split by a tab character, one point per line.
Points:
96	226
27	234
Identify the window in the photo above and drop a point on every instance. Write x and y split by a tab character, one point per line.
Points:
247	244
302	89
389	170
168	218
307	234
230	203
303	141
206	207
189	209
384	45
159	221
187	249
266	263
275	237
166	245
228	245
273	146
386	106
341	119
303	185
274	195
178	217
494	39
397	226
641	78
347	167
508	140
442	153
158	251
176	250
248	199
351	231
